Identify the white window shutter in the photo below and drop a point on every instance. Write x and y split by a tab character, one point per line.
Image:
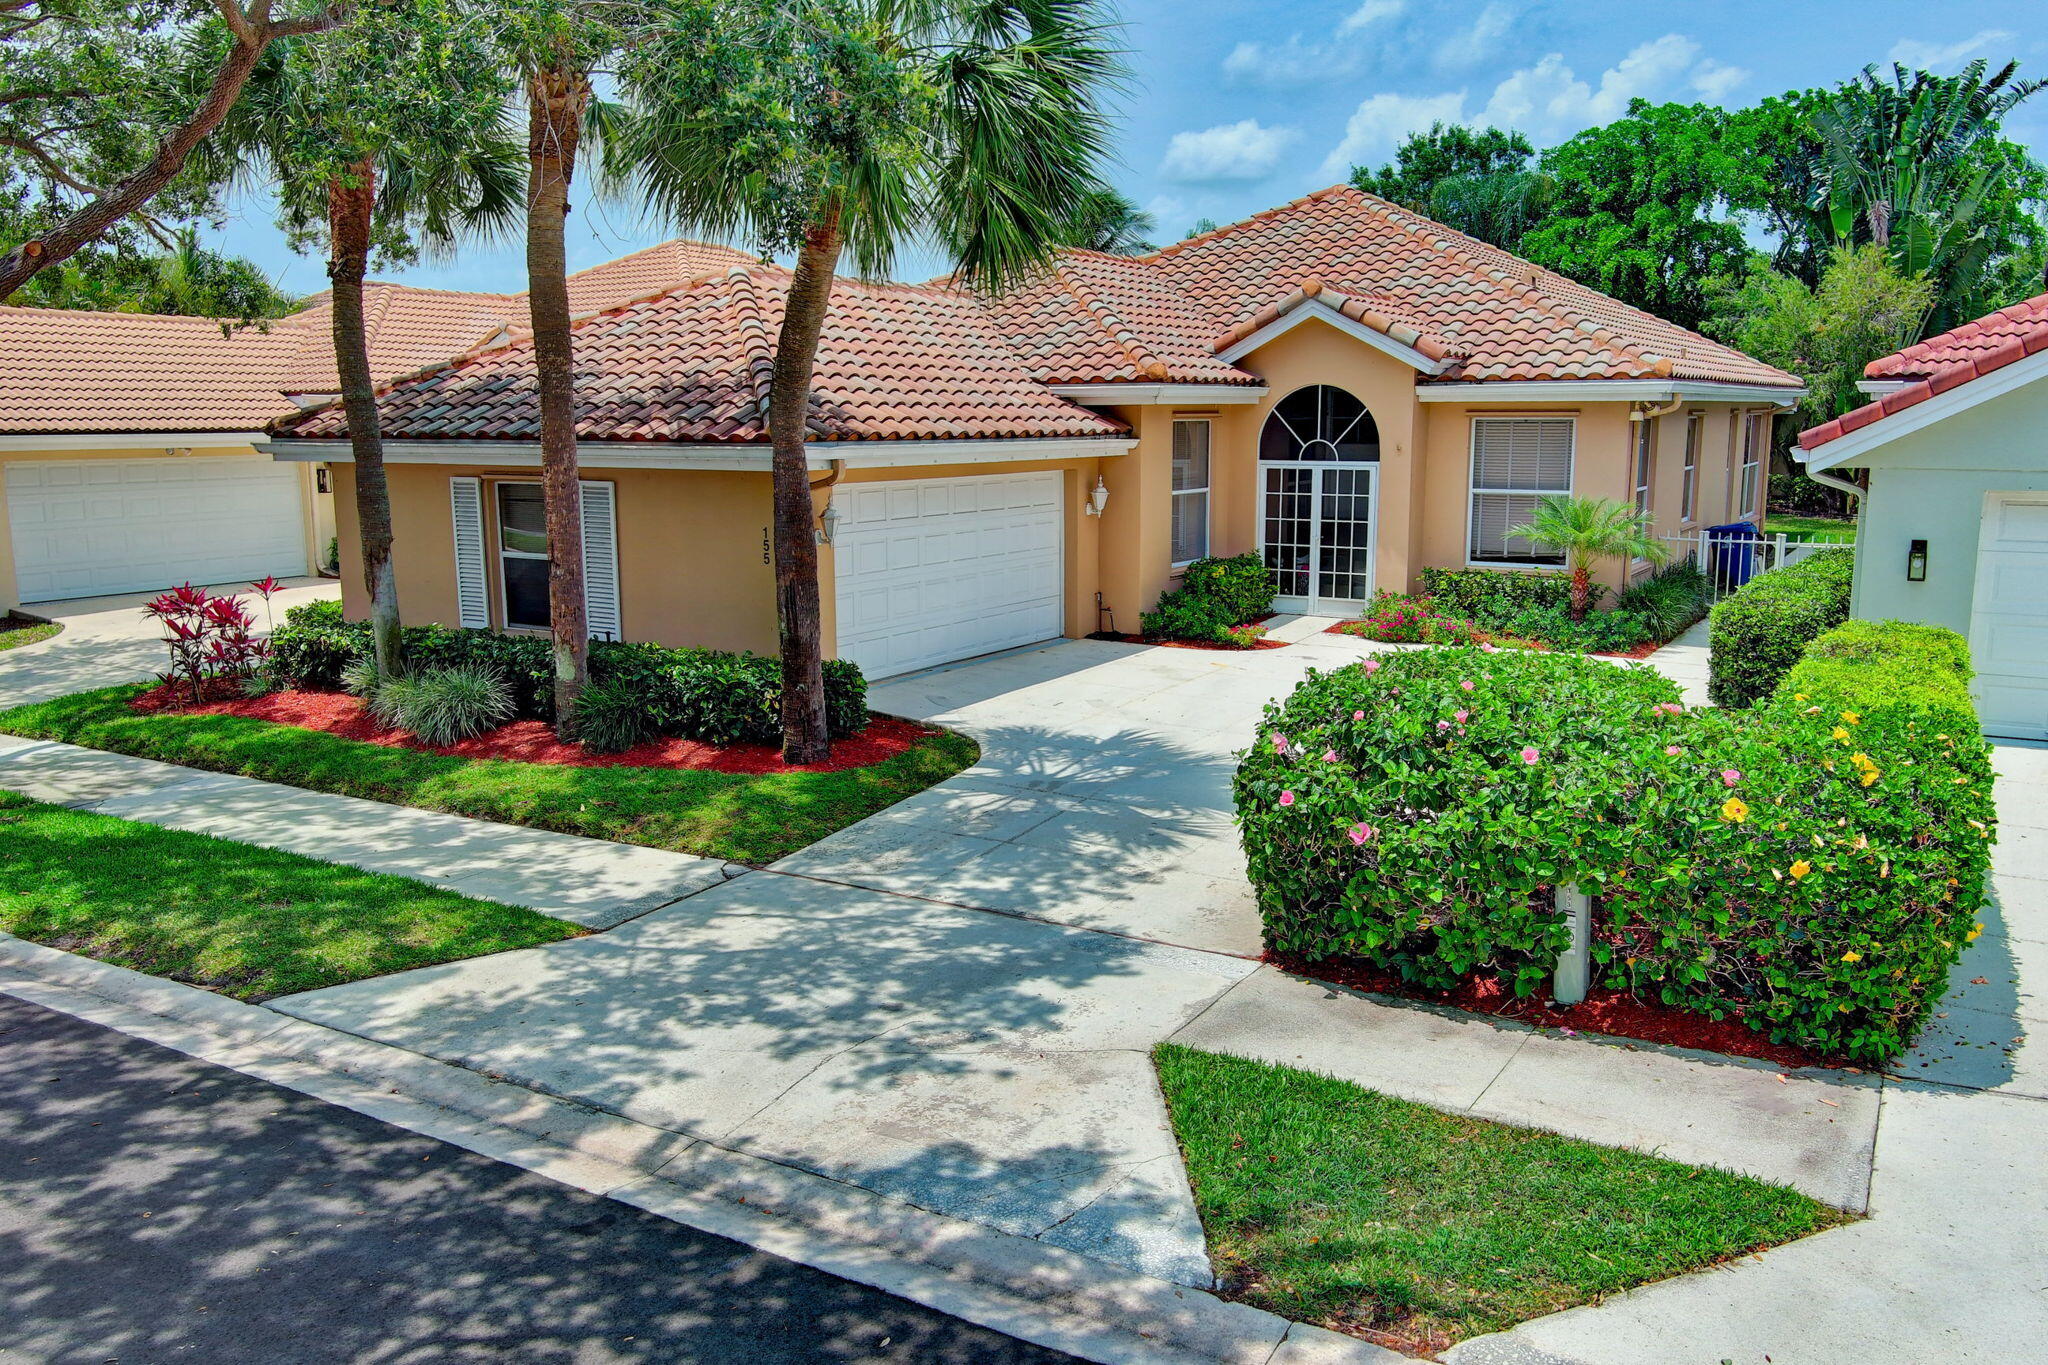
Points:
601	561
472	596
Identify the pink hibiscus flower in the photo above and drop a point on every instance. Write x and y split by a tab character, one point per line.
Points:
1529	755
1287	798
1360	832
1729	777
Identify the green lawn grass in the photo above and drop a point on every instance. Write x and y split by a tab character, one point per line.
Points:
745	819
248	922
16	631
1336	1205
1823	528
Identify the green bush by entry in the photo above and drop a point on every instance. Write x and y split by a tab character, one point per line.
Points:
1214	595
443	706
1490	596
1812	865
1757	634
712	695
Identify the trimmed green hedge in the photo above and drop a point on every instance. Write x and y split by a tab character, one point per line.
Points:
1757	634
1214	595
1812	866
1490	596
706	694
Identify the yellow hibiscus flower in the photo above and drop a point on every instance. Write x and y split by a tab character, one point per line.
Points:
1852	956
1800	869
1734	810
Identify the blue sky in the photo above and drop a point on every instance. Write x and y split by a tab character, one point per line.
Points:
1236	106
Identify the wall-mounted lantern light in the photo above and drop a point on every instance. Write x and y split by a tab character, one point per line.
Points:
1916	562
1097	500
828	523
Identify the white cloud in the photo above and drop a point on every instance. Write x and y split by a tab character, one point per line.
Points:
1716	81
1230	151
1475	44
1911	52
1378	124
1549	101
1287	64
1370	13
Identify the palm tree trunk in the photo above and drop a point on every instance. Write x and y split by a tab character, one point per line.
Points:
351	200
1582	590
556	98
804	736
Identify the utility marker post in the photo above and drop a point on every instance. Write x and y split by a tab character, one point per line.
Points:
1575	968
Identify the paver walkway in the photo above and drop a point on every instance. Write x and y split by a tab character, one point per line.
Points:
952	1002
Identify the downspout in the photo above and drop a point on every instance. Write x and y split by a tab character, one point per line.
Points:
1833	481
1639	413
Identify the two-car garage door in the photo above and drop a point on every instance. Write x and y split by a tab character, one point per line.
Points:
931	570
82	527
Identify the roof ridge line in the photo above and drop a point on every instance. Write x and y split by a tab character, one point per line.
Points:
1413	226
1260	216
1149	366
754	343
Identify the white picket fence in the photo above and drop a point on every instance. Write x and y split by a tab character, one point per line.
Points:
1731	561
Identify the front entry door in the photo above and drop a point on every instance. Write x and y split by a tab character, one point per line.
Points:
1315	532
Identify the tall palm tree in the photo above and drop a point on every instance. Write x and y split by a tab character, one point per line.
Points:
556	45
830	126
1586	531
387	137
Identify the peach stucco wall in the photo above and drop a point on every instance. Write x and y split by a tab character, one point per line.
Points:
692	544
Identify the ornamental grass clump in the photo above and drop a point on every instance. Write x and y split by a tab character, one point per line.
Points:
1813	866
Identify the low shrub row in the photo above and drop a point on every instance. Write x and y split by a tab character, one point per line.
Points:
1490	595
637	691
1758	632
1812	866
1215	602
1490	606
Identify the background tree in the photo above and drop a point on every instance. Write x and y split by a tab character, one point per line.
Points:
127	273
1106	220
85	109
1200	226
822	126
384	137
1445	152
1636	212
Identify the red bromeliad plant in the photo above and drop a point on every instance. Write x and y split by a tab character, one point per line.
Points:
211	636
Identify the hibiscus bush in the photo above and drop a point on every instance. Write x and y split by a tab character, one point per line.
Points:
1812	867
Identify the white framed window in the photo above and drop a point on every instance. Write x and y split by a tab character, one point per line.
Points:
1756	439
1689	484
1190	490
522	546
1516	463
1645	465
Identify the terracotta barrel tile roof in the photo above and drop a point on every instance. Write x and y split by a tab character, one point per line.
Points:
896	362
406	328
1945	362
66	371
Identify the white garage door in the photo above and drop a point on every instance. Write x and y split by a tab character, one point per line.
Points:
2009	627
83	527
932	570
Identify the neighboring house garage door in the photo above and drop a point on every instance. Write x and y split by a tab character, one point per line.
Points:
2009	626
932	570
83	527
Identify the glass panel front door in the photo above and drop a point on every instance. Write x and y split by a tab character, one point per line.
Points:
1316	524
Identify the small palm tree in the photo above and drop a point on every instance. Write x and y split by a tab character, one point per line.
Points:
1588	530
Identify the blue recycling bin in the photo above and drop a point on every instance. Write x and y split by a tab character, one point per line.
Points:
1732	557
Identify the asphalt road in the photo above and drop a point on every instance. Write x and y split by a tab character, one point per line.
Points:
157	1208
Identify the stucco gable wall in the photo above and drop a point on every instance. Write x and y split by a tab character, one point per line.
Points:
1931	485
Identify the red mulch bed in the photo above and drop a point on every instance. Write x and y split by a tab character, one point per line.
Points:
1606	1012
531	741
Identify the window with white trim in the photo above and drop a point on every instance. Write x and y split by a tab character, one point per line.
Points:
1190	490
1756	439
1516	463
1689	485
522	545
1644	465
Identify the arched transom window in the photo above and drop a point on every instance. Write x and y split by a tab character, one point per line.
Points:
1320	423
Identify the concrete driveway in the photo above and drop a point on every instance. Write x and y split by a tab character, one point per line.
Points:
107	640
